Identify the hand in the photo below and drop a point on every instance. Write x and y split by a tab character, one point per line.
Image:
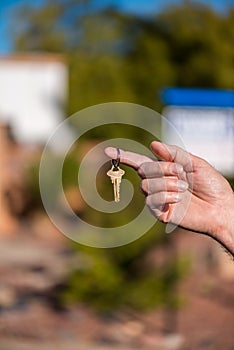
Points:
184	190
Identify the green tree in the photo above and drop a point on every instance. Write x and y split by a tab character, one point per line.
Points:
130	58
201	45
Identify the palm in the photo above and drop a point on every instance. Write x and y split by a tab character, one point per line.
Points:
207	192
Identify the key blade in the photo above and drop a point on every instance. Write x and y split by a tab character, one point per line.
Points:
116	190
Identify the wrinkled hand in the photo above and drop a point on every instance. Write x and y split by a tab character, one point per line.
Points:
185	190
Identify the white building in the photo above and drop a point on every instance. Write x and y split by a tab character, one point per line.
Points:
33	93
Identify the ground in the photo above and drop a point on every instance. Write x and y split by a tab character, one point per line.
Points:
31	265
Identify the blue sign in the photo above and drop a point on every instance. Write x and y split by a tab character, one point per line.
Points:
204	120
198	97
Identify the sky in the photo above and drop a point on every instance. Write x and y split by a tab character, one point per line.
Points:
145	7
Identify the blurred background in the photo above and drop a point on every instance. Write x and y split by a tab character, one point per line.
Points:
57	57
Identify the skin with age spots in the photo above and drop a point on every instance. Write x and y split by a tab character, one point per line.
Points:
185	190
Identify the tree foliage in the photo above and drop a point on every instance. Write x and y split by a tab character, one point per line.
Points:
130	58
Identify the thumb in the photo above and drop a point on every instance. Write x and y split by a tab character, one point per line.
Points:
173	154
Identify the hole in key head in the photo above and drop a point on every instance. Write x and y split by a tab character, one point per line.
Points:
115	164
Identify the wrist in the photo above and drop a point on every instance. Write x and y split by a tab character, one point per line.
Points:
224	228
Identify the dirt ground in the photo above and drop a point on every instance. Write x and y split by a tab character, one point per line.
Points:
203	321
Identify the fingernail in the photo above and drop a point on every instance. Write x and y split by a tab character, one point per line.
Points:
110	152
182	185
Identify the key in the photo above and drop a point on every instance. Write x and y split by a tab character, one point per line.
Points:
115	174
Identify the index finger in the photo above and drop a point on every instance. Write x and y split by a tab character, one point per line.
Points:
131	159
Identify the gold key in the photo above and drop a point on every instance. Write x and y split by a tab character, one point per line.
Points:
116	174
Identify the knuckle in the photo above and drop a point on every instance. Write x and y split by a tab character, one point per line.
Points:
162	197
160	168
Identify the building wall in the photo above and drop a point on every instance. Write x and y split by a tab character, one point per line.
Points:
33	91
